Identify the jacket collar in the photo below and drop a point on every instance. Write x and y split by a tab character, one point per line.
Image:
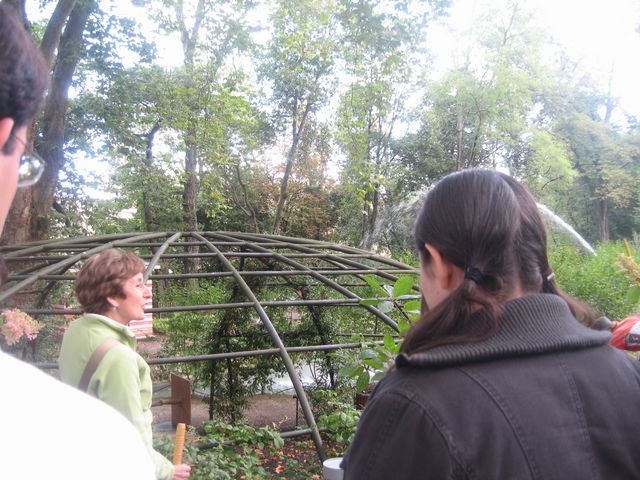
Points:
529	325
125	334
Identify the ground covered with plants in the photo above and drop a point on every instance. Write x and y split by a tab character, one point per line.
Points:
221	450
292	459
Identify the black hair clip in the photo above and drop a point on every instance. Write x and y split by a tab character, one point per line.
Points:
474	274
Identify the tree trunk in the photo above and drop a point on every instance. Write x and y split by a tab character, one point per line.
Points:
284	183
51	36
190	188
149	217
249	210
189	40
29	217
297	129
459	126
189	206
603	220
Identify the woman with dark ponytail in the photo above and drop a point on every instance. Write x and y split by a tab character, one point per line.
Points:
498	379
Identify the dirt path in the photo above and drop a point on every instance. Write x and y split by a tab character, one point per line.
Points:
261	410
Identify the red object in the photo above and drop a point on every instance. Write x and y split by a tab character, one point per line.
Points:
626	334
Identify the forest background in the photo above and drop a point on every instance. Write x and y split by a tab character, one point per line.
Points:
322	119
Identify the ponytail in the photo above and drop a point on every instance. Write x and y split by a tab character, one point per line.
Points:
455	319
487	224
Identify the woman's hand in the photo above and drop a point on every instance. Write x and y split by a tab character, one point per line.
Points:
181	471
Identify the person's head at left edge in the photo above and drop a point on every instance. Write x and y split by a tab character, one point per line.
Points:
24	77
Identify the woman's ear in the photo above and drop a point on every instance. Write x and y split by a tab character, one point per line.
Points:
113	302
448	275
6	127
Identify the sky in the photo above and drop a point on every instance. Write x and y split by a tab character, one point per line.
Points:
602	34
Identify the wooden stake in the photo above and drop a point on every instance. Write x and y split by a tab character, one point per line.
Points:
179	444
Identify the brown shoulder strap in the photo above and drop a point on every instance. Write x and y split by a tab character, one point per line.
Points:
96	357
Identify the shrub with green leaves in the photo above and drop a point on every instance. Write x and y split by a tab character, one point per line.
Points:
230	452
220	431
373	360
339	418
205	463
597	279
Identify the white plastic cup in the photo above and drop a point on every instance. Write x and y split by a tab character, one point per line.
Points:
331	469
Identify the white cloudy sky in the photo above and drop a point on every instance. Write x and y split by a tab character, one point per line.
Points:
602	34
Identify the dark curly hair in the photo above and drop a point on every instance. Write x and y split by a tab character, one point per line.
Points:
24	74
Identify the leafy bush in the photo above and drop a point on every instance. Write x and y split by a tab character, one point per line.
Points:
230	454
338	417
205	464
219	431
597	280
372	361
631	269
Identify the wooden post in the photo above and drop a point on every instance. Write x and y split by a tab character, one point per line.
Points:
181	395
179	444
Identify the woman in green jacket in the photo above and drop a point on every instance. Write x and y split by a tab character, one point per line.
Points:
111	291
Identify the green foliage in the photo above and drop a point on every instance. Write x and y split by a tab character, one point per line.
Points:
605	163
401	298
218	460
339	77
205	464
372	361
629	266
238	455
220	431
301	56
230	451
340	418
597	280
633	295
382	44
550	161
198	333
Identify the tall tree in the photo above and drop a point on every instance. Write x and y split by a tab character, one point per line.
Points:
604	162
29	216
209	33
298	66
78	33
381	43
128	113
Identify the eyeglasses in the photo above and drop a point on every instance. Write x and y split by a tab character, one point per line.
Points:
31	167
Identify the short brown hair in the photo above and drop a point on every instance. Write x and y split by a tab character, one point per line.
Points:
103	275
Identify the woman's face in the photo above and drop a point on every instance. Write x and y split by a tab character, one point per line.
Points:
136	295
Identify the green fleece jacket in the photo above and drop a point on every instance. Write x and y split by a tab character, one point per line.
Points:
122	378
